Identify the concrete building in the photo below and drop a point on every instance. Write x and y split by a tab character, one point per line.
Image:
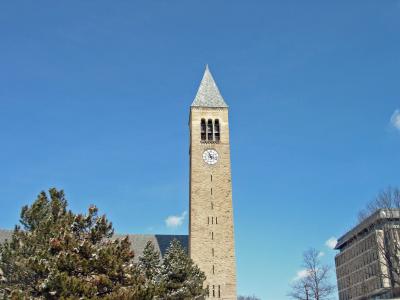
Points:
362	266
211	237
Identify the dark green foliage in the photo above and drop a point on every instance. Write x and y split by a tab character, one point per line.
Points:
176	277
57	254
180	277
149	262
149	266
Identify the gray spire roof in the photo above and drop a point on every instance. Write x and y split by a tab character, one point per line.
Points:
208	94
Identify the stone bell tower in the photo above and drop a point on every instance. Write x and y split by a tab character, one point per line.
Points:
211	235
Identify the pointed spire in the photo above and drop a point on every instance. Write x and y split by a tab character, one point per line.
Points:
208	94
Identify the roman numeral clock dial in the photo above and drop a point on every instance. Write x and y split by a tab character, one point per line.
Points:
210	156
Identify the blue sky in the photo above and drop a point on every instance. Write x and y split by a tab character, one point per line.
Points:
95	96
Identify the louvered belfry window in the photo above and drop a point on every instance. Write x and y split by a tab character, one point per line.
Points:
217	130
209	130
203	129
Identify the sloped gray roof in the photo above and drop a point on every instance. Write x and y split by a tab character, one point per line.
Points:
138	241
160	241
5	235
208	94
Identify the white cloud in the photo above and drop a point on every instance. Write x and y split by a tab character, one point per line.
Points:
331	242
301	274
395	119
321	254
175	221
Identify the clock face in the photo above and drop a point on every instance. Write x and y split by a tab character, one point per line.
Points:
210	156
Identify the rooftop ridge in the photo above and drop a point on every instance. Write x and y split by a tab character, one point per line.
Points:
380	214
161	242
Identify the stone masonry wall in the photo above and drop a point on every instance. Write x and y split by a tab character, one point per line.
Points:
211	198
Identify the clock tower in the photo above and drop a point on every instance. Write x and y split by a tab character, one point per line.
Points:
211	235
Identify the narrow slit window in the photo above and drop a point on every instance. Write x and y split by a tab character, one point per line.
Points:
216	220
217	130
209	130
203	129
219	291
211	177
212	235
212	205
212	252
213	269
211	191
208	220
208	290
212	220
213	290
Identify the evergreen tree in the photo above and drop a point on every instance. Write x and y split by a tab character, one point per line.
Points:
57	254
149	265
180	277
149	262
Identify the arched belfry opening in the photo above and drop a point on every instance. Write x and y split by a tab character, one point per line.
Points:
203	130
210	130
217	130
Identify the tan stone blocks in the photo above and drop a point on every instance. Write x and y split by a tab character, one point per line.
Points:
211	235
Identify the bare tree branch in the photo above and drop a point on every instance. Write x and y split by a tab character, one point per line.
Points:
387	244
315	284
386	199
248	298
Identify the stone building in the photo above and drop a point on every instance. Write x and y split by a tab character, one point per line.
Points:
210	242
362	264
211	237
138	241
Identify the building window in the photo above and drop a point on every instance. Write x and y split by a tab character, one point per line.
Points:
212	252
214	291
212	220
216	130
213	269
209	130
216	220
211	177
208	290
203	129
211	191
208	220
212	235
219	291
212	205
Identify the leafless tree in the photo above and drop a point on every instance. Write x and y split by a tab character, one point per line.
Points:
300	290
315	284
386	199
248	298
387	244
